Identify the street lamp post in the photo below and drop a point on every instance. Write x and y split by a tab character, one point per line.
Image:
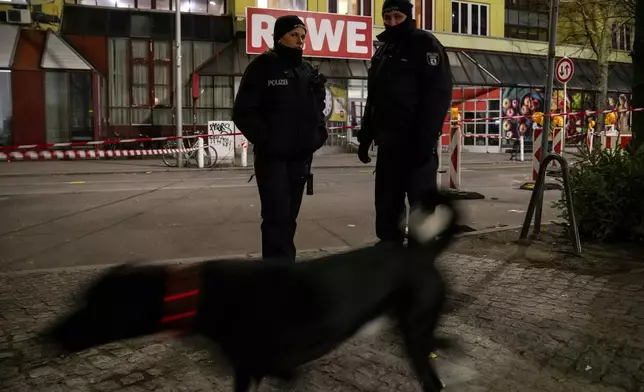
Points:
177	80
552	47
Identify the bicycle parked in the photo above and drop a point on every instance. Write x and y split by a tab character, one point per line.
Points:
210	157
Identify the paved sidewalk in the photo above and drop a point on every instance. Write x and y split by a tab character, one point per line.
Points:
520	328
154	164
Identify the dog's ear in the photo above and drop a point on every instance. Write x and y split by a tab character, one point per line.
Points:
425	225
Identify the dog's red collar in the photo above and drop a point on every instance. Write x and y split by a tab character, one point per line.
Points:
181	299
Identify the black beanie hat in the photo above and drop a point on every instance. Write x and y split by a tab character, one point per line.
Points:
403	6
284	24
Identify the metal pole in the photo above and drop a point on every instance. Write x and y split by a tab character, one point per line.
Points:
178	90
552	46
565	111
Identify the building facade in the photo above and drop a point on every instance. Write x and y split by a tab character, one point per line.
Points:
96	69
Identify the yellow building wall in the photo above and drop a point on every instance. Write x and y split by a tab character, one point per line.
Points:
49	7
443	25
496	11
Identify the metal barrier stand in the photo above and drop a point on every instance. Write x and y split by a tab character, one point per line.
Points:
537	197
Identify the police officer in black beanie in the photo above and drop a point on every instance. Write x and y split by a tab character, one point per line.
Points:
279	109
409	95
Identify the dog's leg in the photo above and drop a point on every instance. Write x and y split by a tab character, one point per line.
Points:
243	380
419	356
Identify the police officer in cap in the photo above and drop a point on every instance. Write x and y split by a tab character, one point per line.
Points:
409	95
279	109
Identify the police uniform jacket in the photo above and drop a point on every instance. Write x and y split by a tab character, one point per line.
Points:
409	92
279	107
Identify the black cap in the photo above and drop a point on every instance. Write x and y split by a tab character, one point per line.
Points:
284	24
403	6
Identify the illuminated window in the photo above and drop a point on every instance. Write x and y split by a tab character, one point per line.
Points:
212	7
296	5
350	7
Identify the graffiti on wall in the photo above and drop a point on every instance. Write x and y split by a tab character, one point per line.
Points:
223	139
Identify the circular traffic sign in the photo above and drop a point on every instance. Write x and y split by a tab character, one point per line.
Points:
564	70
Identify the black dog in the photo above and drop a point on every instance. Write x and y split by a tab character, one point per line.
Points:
270	318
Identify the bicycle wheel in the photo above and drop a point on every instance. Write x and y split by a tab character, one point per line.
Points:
170	159
210	156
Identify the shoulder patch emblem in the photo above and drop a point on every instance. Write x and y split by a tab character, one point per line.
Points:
432	59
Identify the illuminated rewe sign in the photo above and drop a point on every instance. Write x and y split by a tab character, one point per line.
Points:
329	35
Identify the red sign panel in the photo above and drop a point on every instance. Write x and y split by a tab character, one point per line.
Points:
328	35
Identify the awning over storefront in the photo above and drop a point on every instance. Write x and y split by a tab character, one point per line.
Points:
620	78
466	71
470	68
8	44
58	54
515	70
232	60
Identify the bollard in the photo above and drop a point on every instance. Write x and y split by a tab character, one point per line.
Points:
455	151
200	153
244	152
521	148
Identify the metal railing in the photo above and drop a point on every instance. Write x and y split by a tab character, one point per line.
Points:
536	200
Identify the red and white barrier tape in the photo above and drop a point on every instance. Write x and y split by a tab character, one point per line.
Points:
553	114
104	142
478	136
121	141
72	154
164	138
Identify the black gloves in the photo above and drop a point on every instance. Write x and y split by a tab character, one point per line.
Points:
363	153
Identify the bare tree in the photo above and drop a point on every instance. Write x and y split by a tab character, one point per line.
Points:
592	24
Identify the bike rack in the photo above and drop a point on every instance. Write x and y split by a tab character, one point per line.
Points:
537	197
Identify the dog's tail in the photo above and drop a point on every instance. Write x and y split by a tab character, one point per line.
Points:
433	222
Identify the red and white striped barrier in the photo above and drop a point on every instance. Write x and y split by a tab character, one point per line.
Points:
537	135
558	142
590	134
613	142
80	154
455	156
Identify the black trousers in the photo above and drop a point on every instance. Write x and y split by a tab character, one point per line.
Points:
281	188
398	175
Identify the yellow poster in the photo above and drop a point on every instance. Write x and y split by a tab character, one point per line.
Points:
339	110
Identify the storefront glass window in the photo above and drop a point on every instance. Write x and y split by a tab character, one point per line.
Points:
5	108
68	110
140	86
481	103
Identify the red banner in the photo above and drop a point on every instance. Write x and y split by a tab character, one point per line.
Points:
328	35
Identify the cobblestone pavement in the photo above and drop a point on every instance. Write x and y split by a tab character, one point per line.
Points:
520	328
